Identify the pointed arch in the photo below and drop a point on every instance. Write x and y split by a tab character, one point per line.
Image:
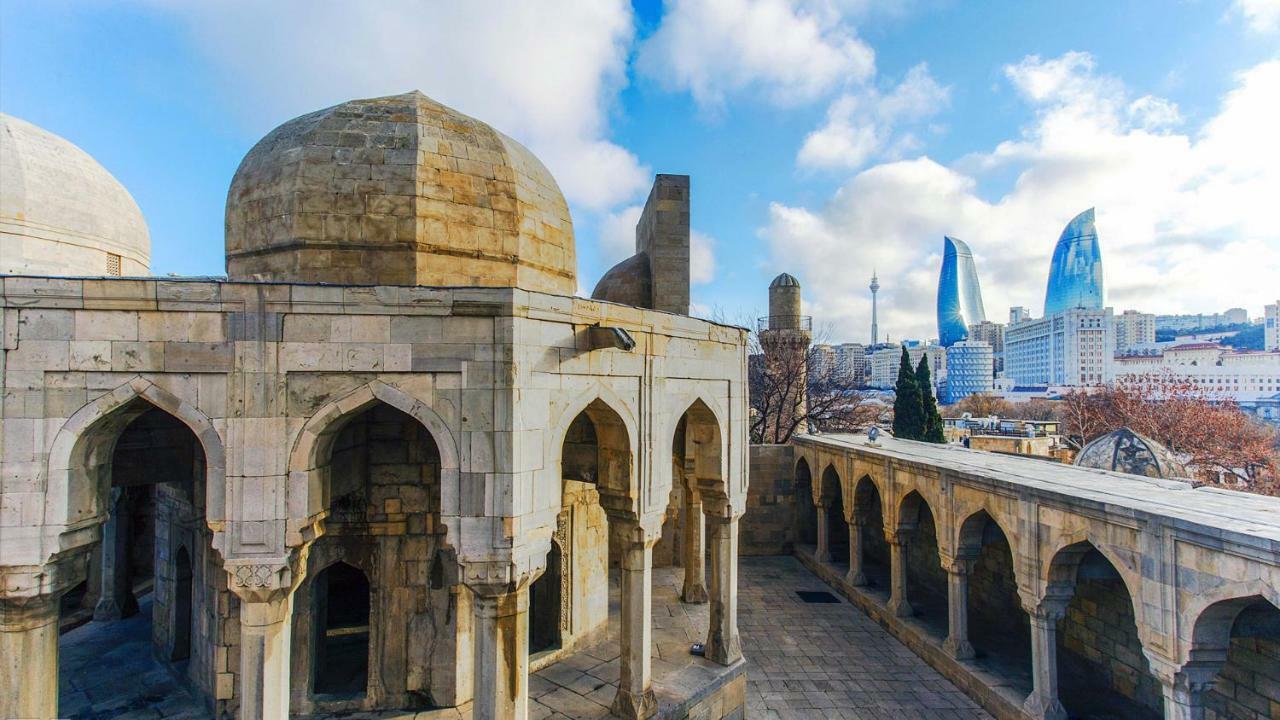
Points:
705	433
80	454
307	459
602	405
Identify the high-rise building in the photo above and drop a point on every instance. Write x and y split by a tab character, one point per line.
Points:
1271	327
969	369
851	362
1018	314
991	333
1075	274
886	360
875	327
1134	328
823	364
959	295
1073	347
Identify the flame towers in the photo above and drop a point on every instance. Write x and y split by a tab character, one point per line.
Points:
959	295
1075	275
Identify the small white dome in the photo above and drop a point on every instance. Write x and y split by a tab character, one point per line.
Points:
61	213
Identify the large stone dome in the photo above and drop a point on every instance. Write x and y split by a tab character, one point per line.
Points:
61	213
398	190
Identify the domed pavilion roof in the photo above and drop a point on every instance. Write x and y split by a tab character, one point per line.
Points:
785	280
62	213
1126	451
398	190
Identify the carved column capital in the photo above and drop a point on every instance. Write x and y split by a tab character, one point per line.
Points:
264	580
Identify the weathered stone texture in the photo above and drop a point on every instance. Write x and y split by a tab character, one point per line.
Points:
399	190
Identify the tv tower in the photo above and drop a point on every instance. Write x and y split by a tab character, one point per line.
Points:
875	328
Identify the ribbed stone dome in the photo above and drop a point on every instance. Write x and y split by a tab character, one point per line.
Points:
785	280
1126	451
398	190
61	213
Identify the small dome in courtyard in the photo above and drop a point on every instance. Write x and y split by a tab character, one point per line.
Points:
785	280
1126	451
398	190
62	213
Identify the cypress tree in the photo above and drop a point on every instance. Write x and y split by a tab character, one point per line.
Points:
908	420
932	429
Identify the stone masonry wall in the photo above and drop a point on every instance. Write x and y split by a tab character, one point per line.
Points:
1248	688
769	527
926	580
1100	632
997	622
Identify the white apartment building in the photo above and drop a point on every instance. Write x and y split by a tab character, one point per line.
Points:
885	362
1271	327
851	359
1214	370
1134	328
1200	321
1071	348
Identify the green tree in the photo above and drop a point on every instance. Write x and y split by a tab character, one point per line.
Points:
932	430
908	418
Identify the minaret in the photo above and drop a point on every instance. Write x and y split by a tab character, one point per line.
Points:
785	337
875	328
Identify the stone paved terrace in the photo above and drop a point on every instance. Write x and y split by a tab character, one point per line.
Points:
804	661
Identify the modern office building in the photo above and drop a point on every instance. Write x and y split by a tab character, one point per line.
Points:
1271	327
959	295
1134	328
886	359
970	370
851	362
1075	274
1018	313
991	333
1073	347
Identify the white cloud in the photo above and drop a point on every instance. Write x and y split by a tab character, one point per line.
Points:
858	125
546	79
618	242
792	51
1185	218
618	235
702	258
1261	15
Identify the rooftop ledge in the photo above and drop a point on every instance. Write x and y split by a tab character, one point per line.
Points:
1247	518
215	294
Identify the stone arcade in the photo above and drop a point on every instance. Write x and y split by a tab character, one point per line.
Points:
391	455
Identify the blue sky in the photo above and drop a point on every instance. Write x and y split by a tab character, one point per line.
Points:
823	137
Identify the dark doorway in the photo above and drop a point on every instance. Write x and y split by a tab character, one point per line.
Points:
544	605
182	606
341	594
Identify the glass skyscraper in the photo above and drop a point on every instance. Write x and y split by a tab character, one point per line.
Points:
1075	275
959	296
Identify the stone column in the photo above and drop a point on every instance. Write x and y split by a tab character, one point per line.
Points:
264	656
855	577
823	553
29	657
635	698
1043	703
957	642
501	632
898	604
723	645
694	550
115	595
1184	692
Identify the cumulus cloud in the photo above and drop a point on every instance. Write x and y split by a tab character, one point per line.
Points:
1261	15
790	50
1180	211
702	258
860	124
546	79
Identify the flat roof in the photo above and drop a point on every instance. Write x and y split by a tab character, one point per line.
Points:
1210	507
